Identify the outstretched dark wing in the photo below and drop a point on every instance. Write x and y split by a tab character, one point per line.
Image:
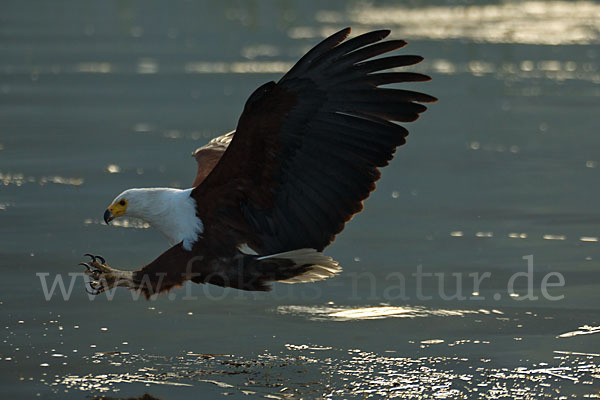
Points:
209	155
307	149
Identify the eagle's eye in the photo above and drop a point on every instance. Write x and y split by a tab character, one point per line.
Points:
122	202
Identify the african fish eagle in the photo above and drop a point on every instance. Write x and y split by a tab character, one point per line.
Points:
271	195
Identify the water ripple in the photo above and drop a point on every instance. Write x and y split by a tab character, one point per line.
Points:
299	371
524	22
317	313
19	179
583	330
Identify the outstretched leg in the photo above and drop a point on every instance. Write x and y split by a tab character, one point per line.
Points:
104	277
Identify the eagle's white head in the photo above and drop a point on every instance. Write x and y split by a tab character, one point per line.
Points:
171	211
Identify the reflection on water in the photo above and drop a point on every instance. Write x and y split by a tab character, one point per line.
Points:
121	223
514	71
527	22
19	179
428	363
523	235
553	70
267	375
583	330
113	169
344	374
103	382
365	313
94	67
238	67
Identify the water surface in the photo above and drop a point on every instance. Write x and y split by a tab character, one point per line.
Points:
98	97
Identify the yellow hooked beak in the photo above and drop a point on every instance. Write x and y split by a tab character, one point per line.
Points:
115	210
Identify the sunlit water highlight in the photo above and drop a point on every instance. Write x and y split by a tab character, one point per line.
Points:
354	373
525	22
367	313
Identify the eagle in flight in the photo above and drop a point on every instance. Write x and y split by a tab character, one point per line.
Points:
271	195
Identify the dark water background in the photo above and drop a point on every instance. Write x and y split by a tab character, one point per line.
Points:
97	97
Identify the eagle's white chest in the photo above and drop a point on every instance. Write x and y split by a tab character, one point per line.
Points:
173	213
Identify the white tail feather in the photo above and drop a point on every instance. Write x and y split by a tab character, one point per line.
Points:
322	267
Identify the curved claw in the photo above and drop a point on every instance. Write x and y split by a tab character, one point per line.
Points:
94	291
95	258
93	272
102	277
88	266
